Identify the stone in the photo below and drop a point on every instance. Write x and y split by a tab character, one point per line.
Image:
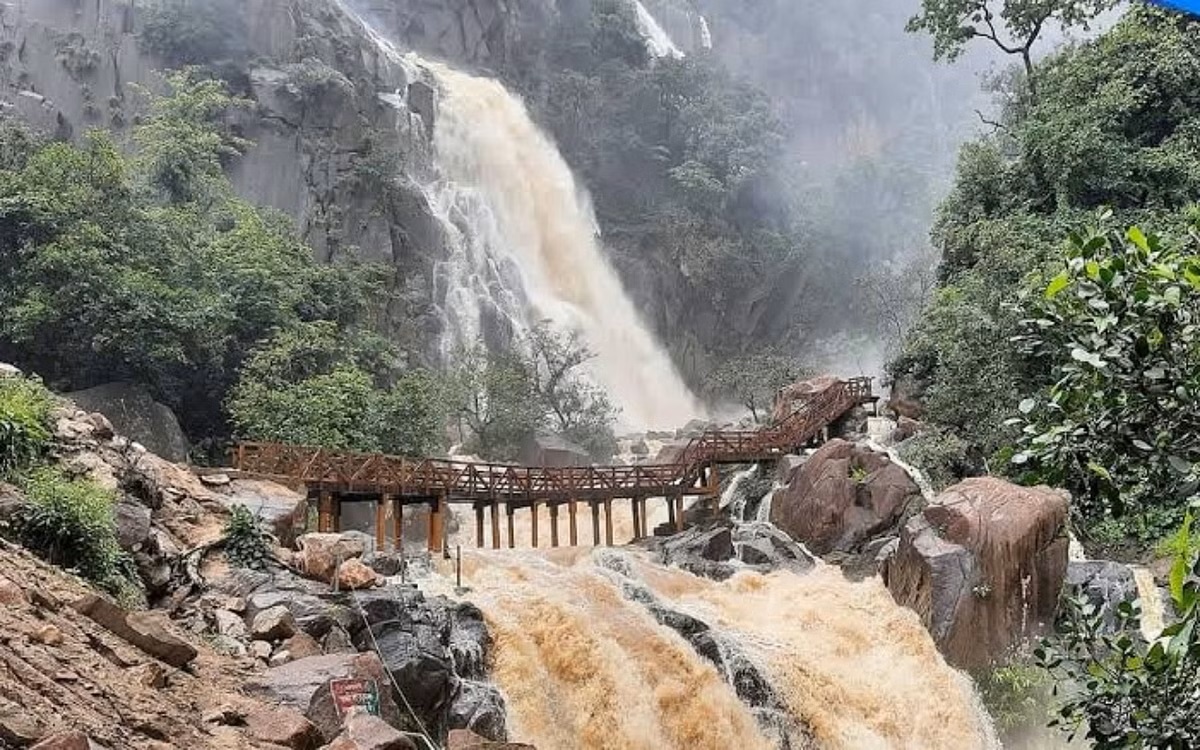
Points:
1103	583
18	727
789	399
48	635
983	566
67	741
133	524
279	658
260	650
11	595
354	575
139	629
224	715
338	641
479	707
102	428
11	502
230	624
366	732
843	496
282	510
285	727
273	624
553	450
387	564
321	554
302	646
149	675
215	480
463	739
134	413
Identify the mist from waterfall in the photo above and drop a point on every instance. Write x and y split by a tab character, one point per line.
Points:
658	40
523	246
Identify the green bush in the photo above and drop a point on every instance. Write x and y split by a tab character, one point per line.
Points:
25	407
245	544
1016	695
939	454
70	523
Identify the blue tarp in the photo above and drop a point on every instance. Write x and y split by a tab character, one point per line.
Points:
1188	6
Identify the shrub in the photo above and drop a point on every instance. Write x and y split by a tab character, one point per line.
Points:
939	454
70	523
1016	695
245	544
25	407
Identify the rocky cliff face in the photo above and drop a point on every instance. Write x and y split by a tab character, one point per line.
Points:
342	130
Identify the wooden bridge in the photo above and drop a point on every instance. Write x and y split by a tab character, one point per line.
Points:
394	483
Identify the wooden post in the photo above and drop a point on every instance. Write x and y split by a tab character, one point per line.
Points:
679	512
595	523
325	512
479	526
608	531
641	501
397	523
671	512
435	525
495	524
573	530
637	519
337	512
512	534
381	513
534	528
553	525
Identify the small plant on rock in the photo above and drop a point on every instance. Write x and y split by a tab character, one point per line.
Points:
25	407
245	544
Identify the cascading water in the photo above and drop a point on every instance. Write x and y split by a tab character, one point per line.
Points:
658	40
706	40
585	662
523	246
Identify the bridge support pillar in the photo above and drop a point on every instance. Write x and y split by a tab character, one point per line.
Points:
573	530
678	500
512	533
553	525
397	521
479	526
382	511
436	525
608	522
325	507
641	501
495	525
595	523
671	511
637	519
534	527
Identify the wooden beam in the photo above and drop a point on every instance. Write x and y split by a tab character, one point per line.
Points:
495	524
381	514
325	512
479	526
679	513
435	525
337	512
595	523
608	526
574	531
641	501
512	533
671	512
637	519
534	527
397	523
553	525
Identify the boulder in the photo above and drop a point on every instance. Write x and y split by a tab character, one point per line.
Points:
133	524
766	548
463	739
841	497
702	552
67	741
261	650
302	646
789	399
354	575
134	413
284	727
366	732
553	450
280	509
11	595
321	554
230	624
139	629
18	727
11	502
983	566
479	707
273	624
1103	583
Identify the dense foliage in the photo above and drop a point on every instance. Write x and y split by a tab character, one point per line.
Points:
245	544
754	381
1121	691
25	407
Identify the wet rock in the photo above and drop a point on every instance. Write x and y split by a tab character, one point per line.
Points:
843	496
702	552
67	741
366	732
273	624
479	707
354	575
321	554
470	642
285	727
983	566
1103	583
387	564
766	548
133	524
463	739
138	629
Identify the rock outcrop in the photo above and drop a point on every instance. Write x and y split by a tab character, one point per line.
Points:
843	496
983	566
132	412
1104	584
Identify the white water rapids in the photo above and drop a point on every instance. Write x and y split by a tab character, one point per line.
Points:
658	41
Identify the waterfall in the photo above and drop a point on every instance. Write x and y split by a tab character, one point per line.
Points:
657	39
1153	612
523	246
734	498
706	40
584	661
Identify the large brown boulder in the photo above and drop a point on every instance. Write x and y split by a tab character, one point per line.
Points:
841	497
320	555
983	566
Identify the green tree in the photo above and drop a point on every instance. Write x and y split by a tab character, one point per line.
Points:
495	401
1119	327
577	408
753	381
1120	691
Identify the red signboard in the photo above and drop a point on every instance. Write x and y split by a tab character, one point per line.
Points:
351	696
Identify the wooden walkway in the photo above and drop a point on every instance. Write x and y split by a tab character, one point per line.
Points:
394	482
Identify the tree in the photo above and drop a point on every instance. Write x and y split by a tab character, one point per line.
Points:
1012	26
496	402
577	408
1119	329
1118	689
754	380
